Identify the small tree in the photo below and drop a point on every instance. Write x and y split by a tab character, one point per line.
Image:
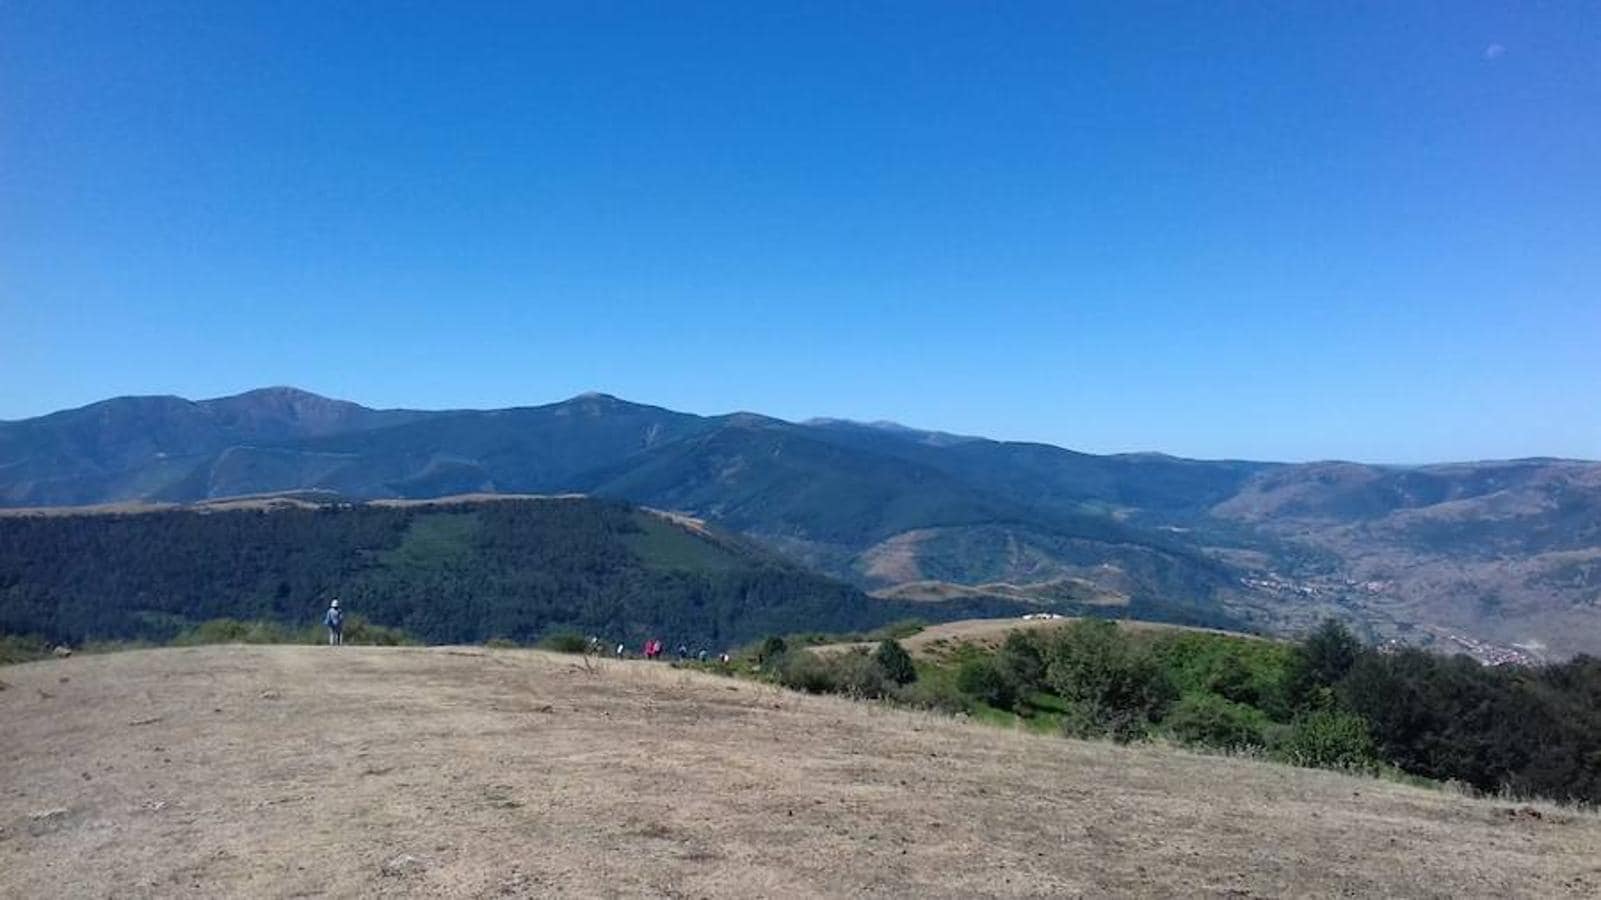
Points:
1022	661
772	650
1115	687
1329	652
895	661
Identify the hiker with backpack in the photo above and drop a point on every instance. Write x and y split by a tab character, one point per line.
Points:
335	620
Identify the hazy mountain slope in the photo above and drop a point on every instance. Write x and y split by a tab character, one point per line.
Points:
1507	551
133	448
1047	477
525	449
843	506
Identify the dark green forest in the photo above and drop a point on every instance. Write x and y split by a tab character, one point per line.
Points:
441	573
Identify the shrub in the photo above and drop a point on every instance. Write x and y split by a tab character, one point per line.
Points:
1214	721
500	643
1112	686
771	650
1328	739
853	674
16	648
564	641
1022	660
1255	673
980	678
858	675
802	671
234	631
895	661
937	694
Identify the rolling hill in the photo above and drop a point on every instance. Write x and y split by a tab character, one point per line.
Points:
458	571
1502	559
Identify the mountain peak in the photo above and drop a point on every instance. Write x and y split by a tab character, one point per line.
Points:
280	392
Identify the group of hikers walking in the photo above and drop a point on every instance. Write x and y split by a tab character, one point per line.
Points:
655	649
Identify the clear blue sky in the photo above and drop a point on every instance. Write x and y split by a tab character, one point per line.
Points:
1269	230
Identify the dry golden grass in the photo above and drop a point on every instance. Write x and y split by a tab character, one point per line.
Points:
309	771
939	640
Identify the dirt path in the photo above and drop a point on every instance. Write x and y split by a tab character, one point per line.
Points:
299	771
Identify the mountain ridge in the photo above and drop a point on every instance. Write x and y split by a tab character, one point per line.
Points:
1503	551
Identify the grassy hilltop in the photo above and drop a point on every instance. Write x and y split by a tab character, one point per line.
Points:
463	772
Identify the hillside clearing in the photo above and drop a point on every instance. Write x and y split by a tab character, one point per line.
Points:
937	640
294	771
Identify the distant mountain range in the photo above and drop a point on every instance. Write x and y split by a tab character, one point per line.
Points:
1499	558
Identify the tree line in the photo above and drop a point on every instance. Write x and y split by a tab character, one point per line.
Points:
461	573
1324	701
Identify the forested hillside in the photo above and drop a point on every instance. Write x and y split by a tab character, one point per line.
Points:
452	572
1502	559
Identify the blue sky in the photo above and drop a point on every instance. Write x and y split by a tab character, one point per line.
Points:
1267	230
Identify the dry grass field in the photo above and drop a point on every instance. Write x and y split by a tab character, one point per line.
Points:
310	771
939	640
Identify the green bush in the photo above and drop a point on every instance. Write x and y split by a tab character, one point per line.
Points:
936	694
1112	686
16	648
564	642
1022	660
773	649
858	675
1213	721
234	631
1253	672
853	674
895	661
802	671
1328	739
980	678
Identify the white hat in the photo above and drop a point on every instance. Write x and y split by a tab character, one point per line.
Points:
335	604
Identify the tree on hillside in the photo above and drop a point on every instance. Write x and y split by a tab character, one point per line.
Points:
1329	652
895	661
1114	686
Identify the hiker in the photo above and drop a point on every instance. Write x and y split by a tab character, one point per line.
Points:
335	620
620	650
702	655
683	652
